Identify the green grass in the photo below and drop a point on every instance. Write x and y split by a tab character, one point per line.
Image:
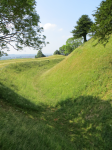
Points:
51	103
13	61
86	71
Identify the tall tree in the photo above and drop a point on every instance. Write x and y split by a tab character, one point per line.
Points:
103	22
19	25
83	27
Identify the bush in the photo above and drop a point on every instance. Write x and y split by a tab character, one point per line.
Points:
56	52
39	54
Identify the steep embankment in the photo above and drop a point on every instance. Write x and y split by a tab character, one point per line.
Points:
86	71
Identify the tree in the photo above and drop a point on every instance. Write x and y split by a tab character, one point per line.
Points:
102	27
83	27
71	44
62	50
40	54
74	42
19	25
56	52
68	49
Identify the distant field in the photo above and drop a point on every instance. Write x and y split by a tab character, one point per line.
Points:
7	62
58	102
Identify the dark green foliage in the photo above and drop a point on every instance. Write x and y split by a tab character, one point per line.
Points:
57	52
19	24
40	54
102	27
83	27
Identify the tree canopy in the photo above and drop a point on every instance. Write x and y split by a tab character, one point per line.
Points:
103	22
71	44
74	42
19	25
83	27
62	50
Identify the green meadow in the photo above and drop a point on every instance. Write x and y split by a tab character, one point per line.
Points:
58	102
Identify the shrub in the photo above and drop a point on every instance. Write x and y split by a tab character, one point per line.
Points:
39	54
56	52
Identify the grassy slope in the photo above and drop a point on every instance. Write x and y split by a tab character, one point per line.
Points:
21	77
61	106
86	71
23	124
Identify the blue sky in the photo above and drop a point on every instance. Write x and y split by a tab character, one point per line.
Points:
58	19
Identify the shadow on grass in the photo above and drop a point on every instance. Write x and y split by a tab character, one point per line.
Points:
85	122
17	101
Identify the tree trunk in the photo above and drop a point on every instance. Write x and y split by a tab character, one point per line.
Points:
85	38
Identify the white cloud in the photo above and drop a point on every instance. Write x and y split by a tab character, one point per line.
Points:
48	26
60	29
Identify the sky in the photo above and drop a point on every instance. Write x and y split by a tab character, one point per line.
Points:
58	18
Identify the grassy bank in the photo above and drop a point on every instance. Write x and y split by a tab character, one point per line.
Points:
86	71
60	103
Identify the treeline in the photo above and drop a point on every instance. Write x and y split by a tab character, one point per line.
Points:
71	44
